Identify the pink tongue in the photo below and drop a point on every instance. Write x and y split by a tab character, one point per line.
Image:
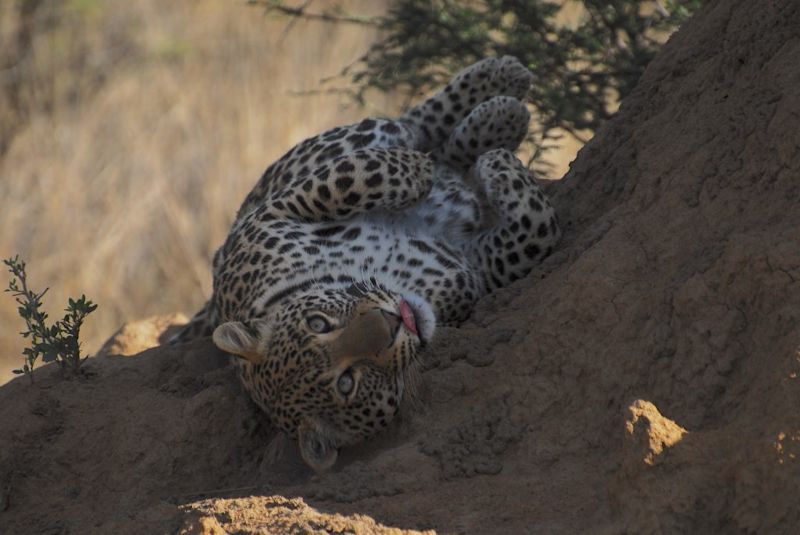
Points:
408	317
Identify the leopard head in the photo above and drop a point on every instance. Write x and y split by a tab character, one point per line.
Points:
330	366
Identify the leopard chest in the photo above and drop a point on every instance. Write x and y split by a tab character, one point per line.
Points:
277	258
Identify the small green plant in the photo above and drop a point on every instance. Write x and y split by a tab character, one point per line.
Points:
58	342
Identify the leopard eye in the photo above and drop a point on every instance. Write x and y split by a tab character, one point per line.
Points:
318	324
345	383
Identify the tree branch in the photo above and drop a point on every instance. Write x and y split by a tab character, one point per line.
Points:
301	12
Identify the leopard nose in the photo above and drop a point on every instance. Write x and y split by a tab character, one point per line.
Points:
392	320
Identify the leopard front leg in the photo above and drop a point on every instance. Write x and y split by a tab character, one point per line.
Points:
526	226
320	150
351	184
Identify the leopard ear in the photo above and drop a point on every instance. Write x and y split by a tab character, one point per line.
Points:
243	340
317	450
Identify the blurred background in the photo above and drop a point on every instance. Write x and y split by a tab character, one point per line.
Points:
131	131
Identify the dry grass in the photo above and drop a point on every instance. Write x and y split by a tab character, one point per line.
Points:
138	128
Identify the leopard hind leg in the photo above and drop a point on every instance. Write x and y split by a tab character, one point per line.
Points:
498	123
434	120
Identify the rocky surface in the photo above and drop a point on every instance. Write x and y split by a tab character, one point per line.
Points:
644	379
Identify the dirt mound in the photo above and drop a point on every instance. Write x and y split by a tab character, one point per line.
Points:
275	514
137	336
645	379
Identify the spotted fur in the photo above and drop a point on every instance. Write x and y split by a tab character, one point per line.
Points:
352	246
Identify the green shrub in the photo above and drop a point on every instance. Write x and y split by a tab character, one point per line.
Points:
58	342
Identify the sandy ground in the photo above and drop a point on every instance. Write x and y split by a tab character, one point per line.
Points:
643	380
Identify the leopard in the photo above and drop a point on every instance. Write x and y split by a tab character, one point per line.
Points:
353	247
